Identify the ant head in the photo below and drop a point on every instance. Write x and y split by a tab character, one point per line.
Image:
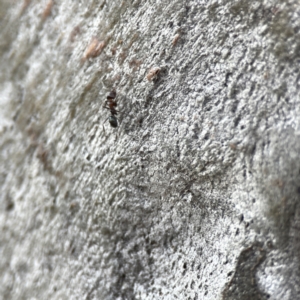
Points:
113	121
111	95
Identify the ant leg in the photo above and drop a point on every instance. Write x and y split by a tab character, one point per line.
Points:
110	108
105	120
103	124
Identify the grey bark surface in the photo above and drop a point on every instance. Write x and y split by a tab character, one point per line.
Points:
194	195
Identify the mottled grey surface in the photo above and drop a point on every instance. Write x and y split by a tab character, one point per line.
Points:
195	195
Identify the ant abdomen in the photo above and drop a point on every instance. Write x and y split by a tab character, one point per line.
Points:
113	121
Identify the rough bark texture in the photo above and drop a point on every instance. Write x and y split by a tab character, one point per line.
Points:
195	195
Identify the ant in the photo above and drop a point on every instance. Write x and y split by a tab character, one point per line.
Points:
110	104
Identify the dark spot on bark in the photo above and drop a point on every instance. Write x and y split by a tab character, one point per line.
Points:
237	121
234	107
9	205
206	136
205	101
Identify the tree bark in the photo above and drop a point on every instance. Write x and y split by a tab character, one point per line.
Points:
195	194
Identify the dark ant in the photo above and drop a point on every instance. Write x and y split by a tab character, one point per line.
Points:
111	104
